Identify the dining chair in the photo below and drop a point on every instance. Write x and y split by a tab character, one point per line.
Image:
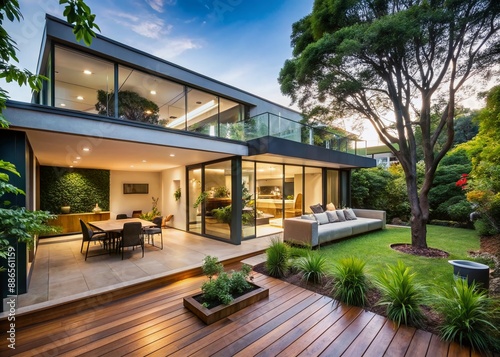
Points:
156	229
131	236
121	216
136	214
88	235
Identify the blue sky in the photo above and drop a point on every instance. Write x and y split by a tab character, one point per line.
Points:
240	42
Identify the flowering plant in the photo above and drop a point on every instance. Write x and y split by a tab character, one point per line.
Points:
462	182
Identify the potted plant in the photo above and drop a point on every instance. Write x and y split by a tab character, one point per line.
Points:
223	293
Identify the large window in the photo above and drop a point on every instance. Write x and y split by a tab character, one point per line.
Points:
87	83
79	78
218	208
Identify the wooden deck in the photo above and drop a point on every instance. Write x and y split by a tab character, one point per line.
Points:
292	322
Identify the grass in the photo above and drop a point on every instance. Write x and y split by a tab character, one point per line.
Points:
374	248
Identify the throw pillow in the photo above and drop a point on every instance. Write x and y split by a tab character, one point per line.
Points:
322	218
316	208
309	217
332	216
330	207
340	214
349	214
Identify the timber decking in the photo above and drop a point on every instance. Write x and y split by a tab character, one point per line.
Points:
291	322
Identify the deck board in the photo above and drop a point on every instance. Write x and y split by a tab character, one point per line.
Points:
291	322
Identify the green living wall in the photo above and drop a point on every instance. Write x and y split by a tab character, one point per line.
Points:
79	188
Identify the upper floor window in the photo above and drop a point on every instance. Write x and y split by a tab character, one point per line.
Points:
87	83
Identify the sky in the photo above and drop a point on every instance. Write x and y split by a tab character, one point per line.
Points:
243	43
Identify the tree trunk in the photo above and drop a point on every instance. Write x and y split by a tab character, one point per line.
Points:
419	213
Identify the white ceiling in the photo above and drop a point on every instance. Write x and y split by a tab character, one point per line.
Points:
55	149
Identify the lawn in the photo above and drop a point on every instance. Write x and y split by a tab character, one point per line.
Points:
375	249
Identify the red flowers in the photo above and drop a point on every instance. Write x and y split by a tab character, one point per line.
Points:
462	182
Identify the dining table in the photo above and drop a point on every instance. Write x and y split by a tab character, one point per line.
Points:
113	227
116	225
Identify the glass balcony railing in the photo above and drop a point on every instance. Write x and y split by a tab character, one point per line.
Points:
268	124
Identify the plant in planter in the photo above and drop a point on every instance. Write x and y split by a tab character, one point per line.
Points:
221	192
177	194
223	293
155	212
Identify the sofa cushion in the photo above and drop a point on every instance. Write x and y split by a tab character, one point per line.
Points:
330	207
349	214
316	208
332	216
340	214
322	218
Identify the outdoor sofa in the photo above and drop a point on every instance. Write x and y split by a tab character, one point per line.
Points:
313	230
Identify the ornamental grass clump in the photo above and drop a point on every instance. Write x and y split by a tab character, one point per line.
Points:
350	283
222	287
312	266
470	316
401	294
277	263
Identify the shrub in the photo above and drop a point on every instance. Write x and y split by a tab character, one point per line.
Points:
312	267
401	294
223	288
469	316
350	283
277	259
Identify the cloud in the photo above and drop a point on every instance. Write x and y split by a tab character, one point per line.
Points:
171	48
150	27
156	5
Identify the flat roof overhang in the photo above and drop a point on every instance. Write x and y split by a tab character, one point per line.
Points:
58	137
277	150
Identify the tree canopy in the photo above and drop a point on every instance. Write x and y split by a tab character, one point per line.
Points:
396	64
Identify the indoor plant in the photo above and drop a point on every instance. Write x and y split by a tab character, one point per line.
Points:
223	293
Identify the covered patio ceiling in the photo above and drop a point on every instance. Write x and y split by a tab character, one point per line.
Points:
65	150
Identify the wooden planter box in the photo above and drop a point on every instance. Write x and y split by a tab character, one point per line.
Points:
217	313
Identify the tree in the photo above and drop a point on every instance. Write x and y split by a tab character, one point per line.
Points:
395	64
484	151
17	222
131	106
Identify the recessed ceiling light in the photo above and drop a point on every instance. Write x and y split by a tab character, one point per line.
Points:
70	165
78	157
79	97
87	71
86	149
144	160
132	166
153	92
75	162
172	155
148	112
63	105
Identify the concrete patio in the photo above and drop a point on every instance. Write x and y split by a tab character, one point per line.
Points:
61	274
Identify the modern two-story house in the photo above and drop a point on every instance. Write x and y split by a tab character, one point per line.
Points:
222	161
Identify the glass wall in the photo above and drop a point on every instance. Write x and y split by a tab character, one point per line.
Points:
248	214
194	206
269	192
292	190
202	113
147	98
79	79
218	210
313	186
87	83
332	187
